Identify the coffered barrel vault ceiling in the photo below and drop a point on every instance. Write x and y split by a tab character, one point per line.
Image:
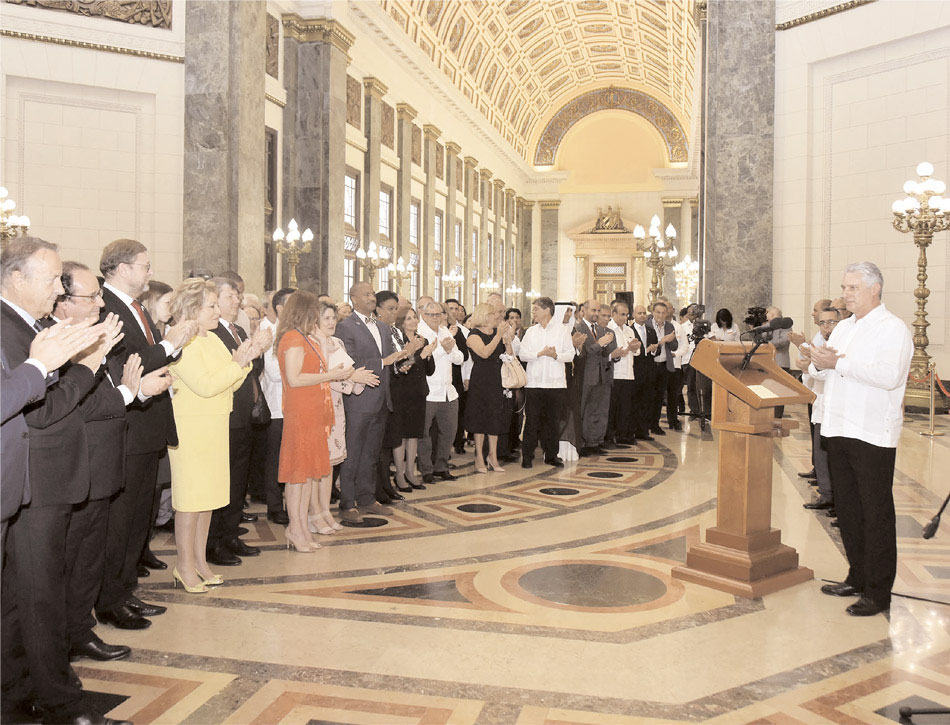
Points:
521	61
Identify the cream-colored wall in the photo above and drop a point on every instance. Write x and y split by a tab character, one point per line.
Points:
861	98
92	140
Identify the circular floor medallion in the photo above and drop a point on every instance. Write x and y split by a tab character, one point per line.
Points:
478	508
369	522
592	585
605	474
623	459
557	491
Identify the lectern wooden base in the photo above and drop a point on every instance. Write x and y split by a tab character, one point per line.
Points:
748	566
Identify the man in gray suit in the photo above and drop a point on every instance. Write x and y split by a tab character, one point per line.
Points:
370	344
780	341
598	378
666	378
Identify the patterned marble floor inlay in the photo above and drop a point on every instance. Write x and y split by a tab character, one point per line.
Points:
545	596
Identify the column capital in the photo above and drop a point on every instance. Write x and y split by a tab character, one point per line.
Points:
672	202
452	148
485	174
431	132
524	202
375	87
498	184
549	203
317	30
471	162
694	200
509	192
405	112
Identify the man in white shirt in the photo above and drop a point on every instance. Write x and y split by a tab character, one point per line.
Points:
620	421
545	348
665	372
442	400
864	369
797	339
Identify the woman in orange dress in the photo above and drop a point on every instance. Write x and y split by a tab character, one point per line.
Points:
308	412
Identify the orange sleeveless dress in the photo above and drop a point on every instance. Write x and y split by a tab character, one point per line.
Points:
308	416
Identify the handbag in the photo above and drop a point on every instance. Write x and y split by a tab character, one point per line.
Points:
260	412
513	375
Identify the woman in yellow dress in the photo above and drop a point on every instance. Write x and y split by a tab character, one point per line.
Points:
206	375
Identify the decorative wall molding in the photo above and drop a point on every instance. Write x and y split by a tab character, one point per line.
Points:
317	30
151	13
272	46
4	32
604	99
273	99
824	13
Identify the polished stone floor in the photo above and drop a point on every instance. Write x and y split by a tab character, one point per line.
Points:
547	598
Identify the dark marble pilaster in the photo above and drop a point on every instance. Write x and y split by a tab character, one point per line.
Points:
549	248
468	228
373	127
525	229
450	261
224	151
428	253
498	232
401	247
739	154
510	274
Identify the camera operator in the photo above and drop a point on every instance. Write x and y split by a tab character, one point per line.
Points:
699	387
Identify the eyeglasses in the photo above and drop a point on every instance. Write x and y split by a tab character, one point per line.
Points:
147	265
828	322
96	296
433	314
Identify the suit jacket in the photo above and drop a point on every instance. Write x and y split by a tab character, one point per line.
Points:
19	387
151	424
669	346
642	358
103	411
59	463
244	396
598	367
457	369
361	346
780	342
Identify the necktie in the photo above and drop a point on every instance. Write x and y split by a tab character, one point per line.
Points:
234	333
140	311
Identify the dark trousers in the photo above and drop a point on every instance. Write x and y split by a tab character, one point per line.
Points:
85	560
543	410
704	394
643	395
595	409
364	438
272	487
459	441
35	649
257	472
226	520
692	390
666	390
862	477
511	441
620	421
129	524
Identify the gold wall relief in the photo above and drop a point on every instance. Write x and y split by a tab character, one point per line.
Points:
354	102
272	47
388	133
154	13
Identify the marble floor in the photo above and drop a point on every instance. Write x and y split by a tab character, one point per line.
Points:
547	598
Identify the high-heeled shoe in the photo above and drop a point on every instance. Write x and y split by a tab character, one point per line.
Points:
480	470
199	589
495	467
211	581
330	521
325	530
309	550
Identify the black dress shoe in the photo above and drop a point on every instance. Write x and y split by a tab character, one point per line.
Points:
88	717
459	450
835	524
831	513
818	505
840	590
99	650
658	431
407	489
151	561
556	462
813	482
526	463
248	518
808	474
445	476
584	452
242	530
221	556
123	618
599	450
417	487
646	438
452	466
236	546
865	607
428	478
396	496
140	607
142	571
510	458
676	426
279	517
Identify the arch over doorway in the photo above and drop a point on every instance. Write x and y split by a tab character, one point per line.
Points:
624	99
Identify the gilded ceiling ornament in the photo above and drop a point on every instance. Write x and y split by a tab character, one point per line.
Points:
475	58
603	99
530	27
155	13
434	12
602	48
598	28
589	6
540	49
549	68
455	37
490	78
514	7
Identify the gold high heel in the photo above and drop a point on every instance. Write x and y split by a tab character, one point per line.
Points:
291	544
495	467
199	589
211	581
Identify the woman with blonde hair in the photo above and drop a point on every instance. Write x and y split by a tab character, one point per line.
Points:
308	412
206	376
487	410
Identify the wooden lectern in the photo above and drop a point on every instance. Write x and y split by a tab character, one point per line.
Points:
743	554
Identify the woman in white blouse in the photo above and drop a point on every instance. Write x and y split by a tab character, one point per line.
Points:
724	330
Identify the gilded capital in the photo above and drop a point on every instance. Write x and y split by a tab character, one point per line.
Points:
375	87
524	202
405	112
471	162
509	192
498	184
485	174
673	202
432	132
317	30
452	148
549	203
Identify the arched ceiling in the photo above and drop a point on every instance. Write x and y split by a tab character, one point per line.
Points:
520	61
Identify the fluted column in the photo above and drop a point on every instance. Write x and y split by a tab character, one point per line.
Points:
427	252
405	114
449	260
525	233
497	229
484	191
374	90
509	206
471	178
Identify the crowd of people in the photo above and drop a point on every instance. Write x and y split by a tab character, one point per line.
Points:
113	384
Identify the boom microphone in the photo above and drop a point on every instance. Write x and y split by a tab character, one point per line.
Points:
776	323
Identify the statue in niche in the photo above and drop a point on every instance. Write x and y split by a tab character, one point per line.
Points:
609	221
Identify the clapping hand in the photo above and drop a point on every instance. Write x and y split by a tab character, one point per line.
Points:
261	341
243	354
362	376
108	333
156	382
341	372
53	346
668	338
415	344
549	351
428	349
578	338
651	348
447	343
796	338
453	330
825	357
606	339
181	333
132	373
633	345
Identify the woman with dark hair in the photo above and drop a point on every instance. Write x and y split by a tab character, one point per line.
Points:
409	389
157	300
724	330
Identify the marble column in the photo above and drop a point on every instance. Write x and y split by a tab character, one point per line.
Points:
449	260
430	136
498	232
405	114
471	268
549	248
484	193
739	154
581	274
672	211
374	90
685	229
510	273
523	257
315	60
224	175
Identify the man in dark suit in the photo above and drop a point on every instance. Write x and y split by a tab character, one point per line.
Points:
35	663
455	317
225	548
644	374
666	379
371	347
151	427
598	345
